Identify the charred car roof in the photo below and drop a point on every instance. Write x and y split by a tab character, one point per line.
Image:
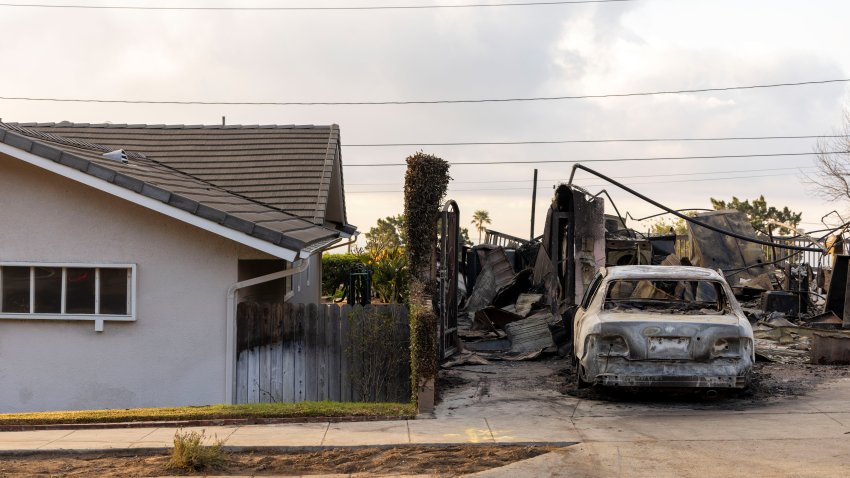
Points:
660	272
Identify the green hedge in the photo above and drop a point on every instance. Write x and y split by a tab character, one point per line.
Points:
335	268
425	184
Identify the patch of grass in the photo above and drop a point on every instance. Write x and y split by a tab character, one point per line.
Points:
191	454
248	410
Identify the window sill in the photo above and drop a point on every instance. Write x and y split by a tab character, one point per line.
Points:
97	319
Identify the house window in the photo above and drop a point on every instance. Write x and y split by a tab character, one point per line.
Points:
67	292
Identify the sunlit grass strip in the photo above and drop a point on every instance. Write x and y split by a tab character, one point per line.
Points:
212	412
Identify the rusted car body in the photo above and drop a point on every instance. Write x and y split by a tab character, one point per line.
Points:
662	326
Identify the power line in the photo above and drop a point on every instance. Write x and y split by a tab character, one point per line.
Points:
704	179
615	177
596	185
415	102
565	141
660	158
290	9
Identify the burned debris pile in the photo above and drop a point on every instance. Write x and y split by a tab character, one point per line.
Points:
796	308
505	313
521	294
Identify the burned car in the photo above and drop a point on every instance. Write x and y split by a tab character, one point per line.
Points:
661	326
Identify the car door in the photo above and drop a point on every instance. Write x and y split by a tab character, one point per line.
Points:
582	311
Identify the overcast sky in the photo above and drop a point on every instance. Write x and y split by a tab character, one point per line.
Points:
468	53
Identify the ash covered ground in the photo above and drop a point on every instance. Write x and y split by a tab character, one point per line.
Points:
546	386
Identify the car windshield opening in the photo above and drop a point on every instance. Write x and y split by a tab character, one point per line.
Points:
666	296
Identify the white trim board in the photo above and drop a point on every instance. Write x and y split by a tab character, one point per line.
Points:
149	203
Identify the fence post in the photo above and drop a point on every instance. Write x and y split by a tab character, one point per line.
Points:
311	363
276	350
253	355
264	354
242	333
345	345
321	353
288	351
300	354
334	351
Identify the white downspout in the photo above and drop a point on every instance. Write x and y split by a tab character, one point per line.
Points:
232	293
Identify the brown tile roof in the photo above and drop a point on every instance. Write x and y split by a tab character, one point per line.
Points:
271	182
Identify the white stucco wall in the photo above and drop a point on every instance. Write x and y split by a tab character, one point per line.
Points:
174	354
307	286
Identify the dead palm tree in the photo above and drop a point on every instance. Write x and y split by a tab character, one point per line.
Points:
480	219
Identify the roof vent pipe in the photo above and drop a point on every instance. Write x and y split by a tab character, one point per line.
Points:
118	155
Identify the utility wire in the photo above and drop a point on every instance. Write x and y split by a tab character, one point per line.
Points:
415	102
565	141
704	179
595	185
661	158
349	8
615	177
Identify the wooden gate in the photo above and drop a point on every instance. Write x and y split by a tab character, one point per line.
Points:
308	352
448	276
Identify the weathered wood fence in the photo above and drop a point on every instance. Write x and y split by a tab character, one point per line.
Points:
297	352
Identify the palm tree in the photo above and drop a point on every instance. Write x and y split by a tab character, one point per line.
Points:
480	218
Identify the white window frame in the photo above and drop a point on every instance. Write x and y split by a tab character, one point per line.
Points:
97	318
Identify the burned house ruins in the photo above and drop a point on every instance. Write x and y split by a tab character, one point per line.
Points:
516	296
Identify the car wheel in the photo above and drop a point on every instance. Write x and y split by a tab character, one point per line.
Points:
579	375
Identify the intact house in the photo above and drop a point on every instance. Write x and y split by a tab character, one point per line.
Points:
124	250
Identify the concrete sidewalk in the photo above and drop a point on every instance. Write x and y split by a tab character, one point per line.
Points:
302	436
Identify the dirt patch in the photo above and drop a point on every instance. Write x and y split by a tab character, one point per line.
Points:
445	461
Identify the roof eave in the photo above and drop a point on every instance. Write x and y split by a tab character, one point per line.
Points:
51	159
348	230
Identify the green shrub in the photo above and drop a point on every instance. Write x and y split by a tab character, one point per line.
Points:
389	274
191	454
425	184
377	353
423	342
335	268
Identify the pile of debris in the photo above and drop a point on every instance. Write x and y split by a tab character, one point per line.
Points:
505	316
521	296
797	311
780	340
